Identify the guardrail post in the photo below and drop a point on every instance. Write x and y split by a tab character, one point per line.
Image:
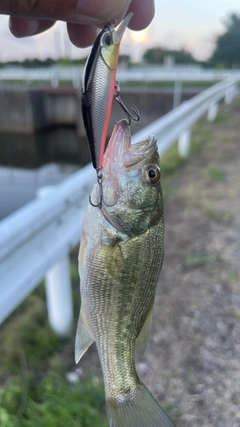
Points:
76	81
59	297
58	289
54	78
184	143
228	95
177	93
212	111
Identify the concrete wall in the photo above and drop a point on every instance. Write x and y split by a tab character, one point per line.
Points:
27	110
21	110
61	106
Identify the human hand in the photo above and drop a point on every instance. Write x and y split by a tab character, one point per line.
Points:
83	17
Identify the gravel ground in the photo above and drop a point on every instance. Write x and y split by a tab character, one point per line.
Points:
192	360
193	356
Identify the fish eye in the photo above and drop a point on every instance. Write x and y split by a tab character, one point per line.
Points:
106	39
152	174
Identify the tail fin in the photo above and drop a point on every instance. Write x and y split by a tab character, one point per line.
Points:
138	409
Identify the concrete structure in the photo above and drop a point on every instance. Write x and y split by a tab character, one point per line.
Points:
27	110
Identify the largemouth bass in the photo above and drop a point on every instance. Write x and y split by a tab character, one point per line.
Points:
120	259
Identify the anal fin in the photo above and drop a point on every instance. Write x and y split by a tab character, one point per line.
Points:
83	338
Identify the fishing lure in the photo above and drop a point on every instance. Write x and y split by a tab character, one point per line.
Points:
99	88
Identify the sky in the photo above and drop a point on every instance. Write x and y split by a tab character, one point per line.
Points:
177	24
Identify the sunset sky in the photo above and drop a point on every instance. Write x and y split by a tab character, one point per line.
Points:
186	24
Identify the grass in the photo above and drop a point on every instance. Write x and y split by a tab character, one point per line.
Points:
130	83
34	362
53	402
34	83
197	260
216	174
34	391
171	411
166	84
217	213
222	116
170	163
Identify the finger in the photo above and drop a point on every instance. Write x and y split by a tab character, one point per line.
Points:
87	12
23	27
143	13
81	35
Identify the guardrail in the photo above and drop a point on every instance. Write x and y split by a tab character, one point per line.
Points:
36	240
54	75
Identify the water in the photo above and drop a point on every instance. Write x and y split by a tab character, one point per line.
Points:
56	144
33	161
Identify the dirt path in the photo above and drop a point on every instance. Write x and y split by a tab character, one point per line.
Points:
192	359
193	355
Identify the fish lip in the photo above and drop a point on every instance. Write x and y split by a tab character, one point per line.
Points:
136	153
122	27
148	144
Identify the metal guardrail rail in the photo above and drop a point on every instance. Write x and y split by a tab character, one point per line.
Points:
55	75
36	240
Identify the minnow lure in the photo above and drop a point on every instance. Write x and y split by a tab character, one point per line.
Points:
99	87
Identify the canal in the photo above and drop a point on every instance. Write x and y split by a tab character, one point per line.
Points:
42	138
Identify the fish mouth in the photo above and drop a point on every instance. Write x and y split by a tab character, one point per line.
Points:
132	154
140	151
120	151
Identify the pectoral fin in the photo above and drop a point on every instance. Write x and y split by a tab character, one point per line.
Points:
83	338
141	340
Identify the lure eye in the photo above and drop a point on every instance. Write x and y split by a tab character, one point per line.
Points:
106	40
152	174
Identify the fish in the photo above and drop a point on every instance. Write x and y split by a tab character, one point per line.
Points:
120	259
99	87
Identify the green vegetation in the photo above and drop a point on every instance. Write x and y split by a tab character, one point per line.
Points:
171	161
216	174
53	402
48	62
157	55
170	409
217	213
34	362
225	55
197	260
34	391
222	117
166	84
227	50
200	135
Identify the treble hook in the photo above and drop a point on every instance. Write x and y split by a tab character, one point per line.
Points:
119	100
101	199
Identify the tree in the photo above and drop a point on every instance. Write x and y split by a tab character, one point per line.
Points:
227	50
157	55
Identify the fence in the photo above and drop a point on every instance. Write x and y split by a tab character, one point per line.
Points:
55	75
36	240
